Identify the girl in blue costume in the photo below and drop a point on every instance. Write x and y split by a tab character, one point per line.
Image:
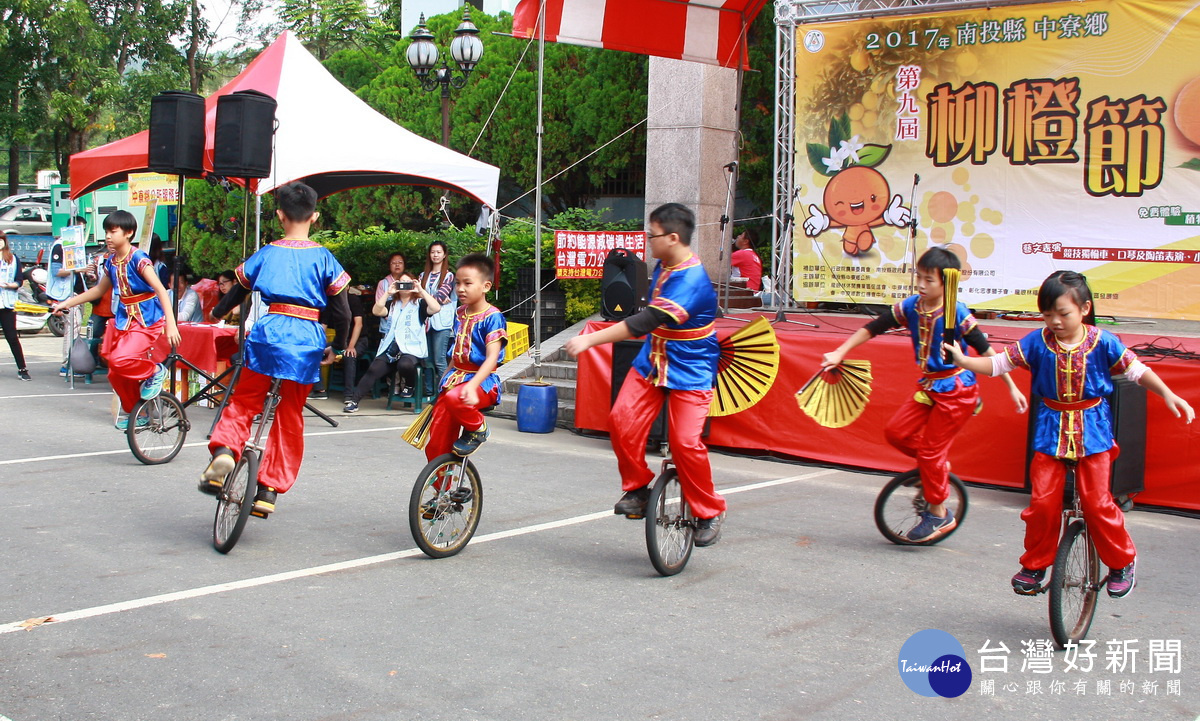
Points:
1072	363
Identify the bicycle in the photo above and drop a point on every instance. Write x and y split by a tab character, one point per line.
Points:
1075	579
235	500
445	505
670	525
901	502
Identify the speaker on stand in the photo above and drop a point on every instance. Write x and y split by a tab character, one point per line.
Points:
176	143
243	139
623	285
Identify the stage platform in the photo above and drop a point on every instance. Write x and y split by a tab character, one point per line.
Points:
992	447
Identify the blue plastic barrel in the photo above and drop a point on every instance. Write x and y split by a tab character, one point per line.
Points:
537	408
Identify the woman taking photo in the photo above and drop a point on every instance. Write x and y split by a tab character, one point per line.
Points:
10	281
438	281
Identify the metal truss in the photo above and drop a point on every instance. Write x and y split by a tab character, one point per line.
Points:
790	14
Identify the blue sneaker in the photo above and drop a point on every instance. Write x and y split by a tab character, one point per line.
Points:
932	527
123	422
470	441
153	385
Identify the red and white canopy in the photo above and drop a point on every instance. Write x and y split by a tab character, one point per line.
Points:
326	136
703	31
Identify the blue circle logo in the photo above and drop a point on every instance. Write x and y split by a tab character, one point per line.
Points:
933	663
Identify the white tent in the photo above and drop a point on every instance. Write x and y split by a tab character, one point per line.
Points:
325	135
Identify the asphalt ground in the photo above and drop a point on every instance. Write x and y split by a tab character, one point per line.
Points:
327	610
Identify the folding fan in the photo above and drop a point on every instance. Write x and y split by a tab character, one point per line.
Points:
950	278
835	397
417	435
746	369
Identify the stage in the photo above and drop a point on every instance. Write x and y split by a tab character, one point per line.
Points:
990	450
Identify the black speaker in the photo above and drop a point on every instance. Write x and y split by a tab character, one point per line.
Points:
623	285
176	133
1128	403
243	138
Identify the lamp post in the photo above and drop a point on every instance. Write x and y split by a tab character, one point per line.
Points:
466	48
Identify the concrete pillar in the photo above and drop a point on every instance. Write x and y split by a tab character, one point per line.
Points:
690	137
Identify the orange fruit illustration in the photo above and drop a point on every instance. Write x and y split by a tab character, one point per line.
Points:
1187	111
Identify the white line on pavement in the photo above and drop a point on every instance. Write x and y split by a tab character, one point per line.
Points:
39	621
88	454
56	395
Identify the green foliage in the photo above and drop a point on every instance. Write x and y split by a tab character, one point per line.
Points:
214	226
756	174
364	253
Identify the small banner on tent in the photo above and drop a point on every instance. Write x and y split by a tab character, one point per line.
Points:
144	187
581	253
1025	139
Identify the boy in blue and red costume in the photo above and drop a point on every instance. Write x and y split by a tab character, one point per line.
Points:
677	364
470	384
142	314
296	277
924	427
1072	362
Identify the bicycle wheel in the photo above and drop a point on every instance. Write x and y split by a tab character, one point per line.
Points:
669	525
235	501
1074	585
900	504
444	509
157	429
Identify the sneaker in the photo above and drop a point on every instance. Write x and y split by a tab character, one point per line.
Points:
350	407
470	441
318	395
123	422
708	531
1121	581
23	374
406	392
264	502
219	468
932	527
1029	582
153	385
633	503
63	371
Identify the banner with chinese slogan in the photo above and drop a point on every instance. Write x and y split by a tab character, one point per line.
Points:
144	187
581	253
1027	139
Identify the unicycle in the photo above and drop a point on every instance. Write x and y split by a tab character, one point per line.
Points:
670	524
236	497
157	429
444	508
900	504
1075	579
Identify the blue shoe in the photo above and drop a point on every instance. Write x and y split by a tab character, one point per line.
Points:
153	385
123	422
470	441
932	527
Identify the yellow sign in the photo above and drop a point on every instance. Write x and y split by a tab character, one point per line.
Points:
1060	136
144	187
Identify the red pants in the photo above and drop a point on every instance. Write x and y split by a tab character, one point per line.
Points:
925	433
638	404
1043	518
285	441
451	416
129	354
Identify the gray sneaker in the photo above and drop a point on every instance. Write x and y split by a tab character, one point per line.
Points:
708	531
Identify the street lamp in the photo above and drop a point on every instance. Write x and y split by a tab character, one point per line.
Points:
466	48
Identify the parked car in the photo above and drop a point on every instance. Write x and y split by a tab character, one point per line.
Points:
26	219
27	198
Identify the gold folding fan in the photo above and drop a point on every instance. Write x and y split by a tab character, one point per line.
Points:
417	435
746	369
835	397
950	278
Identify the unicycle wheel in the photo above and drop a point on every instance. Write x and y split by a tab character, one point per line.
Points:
900	504
234	502
669	525
445	505
157	429
1074	585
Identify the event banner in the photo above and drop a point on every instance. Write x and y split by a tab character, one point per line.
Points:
145	187
581	253
1026	139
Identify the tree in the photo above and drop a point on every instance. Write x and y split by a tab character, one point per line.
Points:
325	25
